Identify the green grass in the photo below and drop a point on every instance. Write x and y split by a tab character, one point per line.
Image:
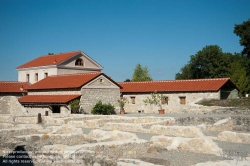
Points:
242	103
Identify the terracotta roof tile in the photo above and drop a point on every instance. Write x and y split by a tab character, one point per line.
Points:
13	86
174	85
49	60
47	98
65	81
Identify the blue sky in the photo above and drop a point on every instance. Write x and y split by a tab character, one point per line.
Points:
118	34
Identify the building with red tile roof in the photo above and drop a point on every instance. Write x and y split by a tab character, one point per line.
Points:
57	64
13	88
192	85
179	94
51	82
54	93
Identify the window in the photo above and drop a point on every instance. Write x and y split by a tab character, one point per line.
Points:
100	80
27	78
45	75
79	62
133	100
182	99
36	77
164	100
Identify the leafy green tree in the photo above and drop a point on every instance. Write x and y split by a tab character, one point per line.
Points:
210	62
239	77
243	31
141	74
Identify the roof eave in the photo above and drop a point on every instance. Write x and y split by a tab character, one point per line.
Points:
36	67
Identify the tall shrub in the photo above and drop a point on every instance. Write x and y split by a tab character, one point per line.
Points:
103	109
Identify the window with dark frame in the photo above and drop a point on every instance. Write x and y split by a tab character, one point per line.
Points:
133	100
182	99
79	62
36	77
45	75
164	100
27	78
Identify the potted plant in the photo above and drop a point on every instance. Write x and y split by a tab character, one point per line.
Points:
122	102
156	99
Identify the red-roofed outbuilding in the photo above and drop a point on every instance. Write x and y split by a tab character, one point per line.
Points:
179	95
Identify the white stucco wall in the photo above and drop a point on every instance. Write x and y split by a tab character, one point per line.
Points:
173	103
22	74
87	63
73	71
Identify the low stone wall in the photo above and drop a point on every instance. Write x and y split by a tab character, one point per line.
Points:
52	121
6	125
195	120
177	131
7	133
27	120
221	125
113	149
238	123
230	111
229	136
78	157
6	119
39	140
125	127
241	123
104	136
197	145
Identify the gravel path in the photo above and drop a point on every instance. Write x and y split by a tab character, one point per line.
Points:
180	158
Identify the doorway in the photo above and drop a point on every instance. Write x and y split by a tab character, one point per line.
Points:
56	109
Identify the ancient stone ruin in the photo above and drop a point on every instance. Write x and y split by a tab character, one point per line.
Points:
122	140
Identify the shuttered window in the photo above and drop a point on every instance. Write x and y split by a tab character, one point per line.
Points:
183	100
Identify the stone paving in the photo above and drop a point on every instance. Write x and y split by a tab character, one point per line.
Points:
130	139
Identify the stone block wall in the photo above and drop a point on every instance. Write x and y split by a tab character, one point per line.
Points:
91	96
173	104
36	110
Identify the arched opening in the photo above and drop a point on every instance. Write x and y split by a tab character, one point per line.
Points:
79	62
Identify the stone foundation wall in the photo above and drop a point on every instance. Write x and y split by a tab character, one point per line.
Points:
238	123
91	96
173	104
